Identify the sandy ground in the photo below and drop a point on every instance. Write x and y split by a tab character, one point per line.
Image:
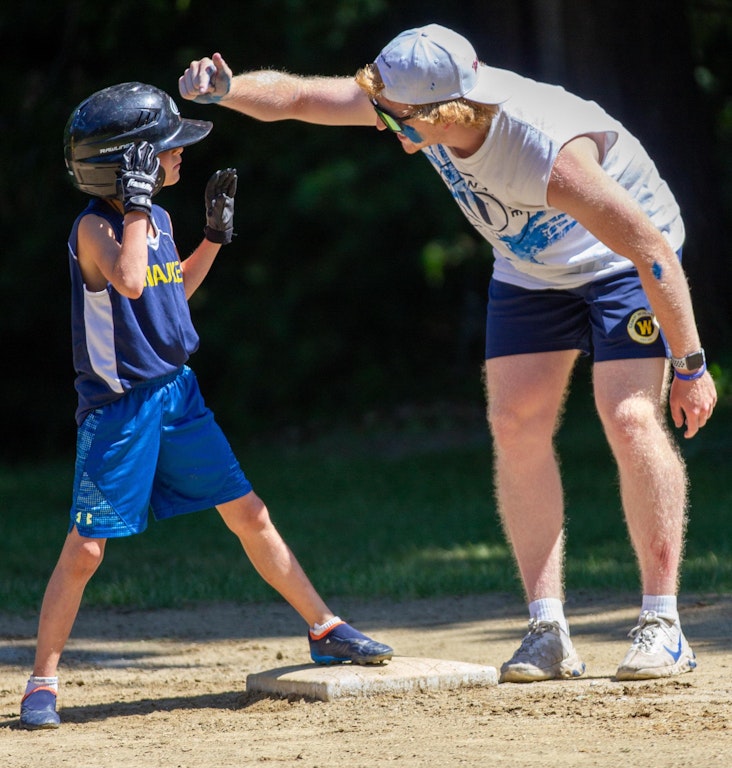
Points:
167	689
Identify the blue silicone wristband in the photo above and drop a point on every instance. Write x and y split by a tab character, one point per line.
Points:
691	376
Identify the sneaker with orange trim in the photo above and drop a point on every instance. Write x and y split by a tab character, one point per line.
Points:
38	709
343	643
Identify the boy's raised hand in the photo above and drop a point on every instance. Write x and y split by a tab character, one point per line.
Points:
137	177
219	198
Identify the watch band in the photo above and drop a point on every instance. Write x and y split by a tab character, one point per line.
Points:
690	376
691	362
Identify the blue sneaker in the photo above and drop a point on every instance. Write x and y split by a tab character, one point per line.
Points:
38	709
343	643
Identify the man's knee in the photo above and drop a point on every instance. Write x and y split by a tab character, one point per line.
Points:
630	422
514	428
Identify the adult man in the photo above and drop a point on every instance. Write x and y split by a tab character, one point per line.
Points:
585	236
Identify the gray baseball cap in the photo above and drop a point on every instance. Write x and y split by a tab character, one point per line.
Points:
430	64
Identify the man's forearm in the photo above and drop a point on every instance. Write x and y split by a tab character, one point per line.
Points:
269	95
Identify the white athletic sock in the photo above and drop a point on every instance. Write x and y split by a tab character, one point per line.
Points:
663	605
41	682
318	628
549	609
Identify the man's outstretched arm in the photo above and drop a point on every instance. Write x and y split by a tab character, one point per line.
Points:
269	95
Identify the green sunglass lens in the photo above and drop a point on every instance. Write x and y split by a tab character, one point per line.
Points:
391	123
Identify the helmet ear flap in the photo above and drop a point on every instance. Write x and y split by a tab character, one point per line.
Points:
159	181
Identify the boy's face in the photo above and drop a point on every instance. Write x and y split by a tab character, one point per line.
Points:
170	162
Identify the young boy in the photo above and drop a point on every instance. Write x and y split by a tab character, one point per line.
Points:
146	440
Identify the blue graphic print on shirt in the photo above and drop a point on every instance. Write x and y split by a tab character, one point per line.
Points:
524	235
537	235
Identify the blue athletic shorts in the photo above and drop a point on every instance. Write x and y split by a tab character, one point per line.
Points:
610	319
157	449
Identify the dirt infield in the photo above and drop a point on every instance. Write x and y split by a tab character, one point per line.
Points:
167	690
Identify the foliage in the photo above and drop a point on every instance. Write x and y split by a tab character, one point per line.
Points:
397	506
712	38
353	281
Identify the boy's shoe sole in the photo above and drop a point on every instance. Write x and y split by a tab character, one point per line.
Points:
343	644
38	710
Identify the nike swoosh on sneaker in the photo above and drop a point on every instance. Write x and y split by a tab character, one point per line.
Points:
675	654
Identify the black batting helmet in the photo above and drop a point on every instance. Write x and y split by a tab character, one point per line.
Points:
101	128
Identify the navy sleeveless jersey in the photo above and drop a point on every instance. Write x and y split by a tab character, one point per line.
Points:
120	342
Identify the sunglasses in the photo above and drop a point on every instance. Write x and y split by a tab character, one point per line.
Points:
396	124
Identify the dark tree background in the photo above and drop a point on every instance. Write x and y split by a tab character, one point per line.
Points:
354	282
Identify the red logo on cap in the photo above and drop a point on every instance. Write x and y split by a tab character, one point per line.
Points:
475	65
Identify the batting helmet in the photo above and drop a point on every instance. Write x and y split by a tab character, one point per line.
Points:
101	128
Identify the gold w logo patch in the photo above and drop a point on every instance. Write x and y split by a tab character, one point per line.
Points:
642	327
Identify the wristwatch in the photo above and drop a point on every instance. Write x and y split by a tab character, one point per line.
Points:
691	362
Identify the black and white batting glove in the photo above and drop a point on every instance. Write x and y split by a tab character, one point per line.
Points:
137	176
219	197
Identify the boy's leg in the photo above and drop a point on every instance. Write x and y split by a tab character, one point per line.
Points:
248	518
80	557
331	639
197	469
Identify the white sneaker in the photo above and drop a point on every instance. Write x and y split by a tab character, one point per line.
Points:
659	649
545	653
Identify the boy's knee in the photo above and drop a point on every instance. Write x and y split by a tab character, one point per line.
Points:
83	555
245	515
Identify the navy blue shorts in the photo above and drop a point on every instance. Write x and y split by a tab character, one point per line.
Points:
609	319
157	449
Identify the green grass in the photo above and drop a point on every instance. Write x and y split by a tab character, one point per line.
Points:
384	511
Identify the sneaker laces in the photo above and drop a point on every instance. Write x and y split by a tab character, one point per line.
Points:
539	627
536	631
645	633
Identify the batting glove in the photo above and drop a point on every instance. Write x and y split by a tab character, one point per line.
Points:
137	176
219	197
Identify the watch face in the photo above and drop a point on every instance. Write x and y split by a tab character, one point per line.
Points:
690	362
695	361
